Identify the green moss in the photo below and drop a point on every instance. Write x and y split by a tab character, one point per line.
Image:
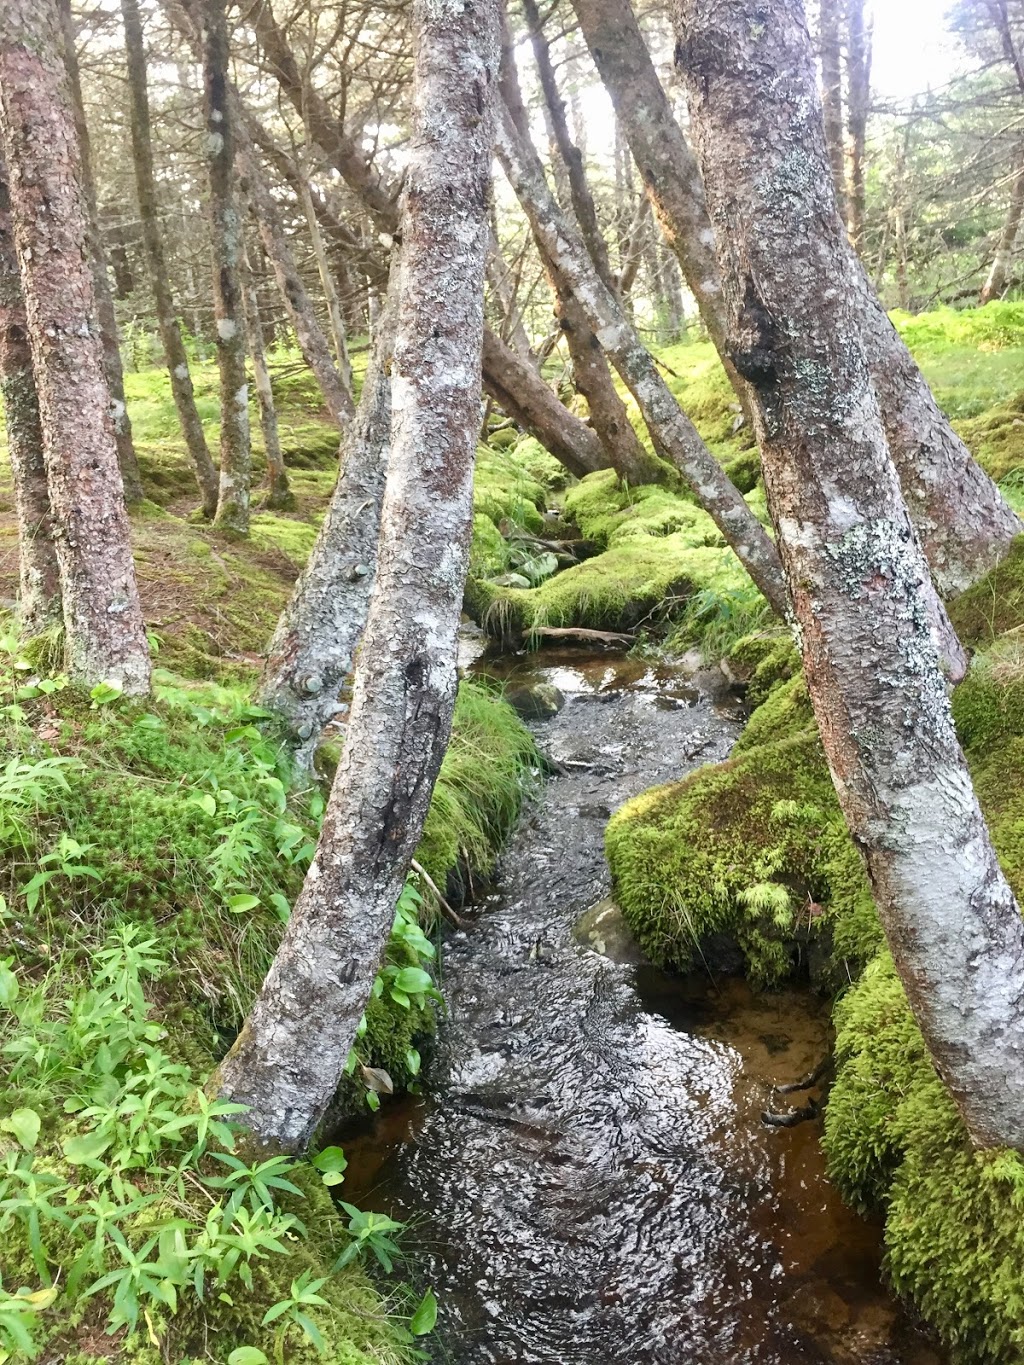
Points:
995	605
504	491
763	659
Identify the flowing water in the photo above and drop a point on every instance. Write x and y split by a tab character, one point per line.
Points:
588	1174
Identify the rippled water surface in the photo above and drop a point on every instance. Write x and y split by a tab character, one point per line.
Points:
589	1174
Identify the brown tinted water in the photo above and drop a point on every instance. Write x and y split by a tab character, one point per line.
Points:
587	1173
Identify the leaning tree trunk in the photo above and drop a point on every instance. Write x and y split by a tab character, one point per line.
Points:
156	262
858	88
279	494
335	315
663	156
830	56
999	272
126	457
228	306
859	579
313	645
524	387
592	376
38	573
964	524
291	1053
672	432
105	635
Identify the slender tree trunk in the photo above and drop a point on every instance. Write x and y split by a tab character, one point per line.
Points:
666	163
830	55
105	635
965	525
858	87
279	495
858	576
334	312
504	303
39	576
185	15
156	262
131	478
671	430
228	306
315	640
289	1057
999	273
523	386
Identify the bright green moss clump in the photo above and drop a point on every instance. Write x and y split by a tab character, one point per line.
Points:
660	551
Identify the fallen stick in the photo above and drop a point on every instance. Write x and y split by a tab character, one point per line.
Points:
609	637
446	908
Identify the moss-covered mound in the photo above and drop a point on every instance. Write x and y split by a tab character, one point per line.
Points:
659	552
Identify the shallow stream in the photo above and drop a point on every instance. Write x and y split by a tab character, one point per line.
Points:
588	1174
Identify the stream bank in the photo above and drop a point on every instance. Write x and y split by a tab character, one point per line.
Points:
599	1184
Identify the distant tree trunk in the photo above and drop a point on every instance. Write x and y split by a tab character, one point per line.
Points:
999	271
858	97
156	262
131	478
591	374
523	386
311	652
228	307
279	495
330	288
105	635
856	569
124	280
830	54
39	577
291	1053
666	163
671	430
511	327
959	513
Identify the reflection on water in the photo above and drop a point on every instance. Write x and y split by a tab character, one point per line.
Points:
590	1177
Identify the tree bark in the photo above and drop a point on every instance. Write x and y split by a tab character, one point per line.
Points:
38	573
965	525
290	1056
999	272
314	642
522	394
591	374
525	390
228	306
859	579
156	261
666	163
104	631
279	494
131	478
672	432
330	288
830	56
858	87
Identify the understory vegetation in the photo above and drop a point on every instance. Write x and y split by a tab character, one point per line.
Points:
152	853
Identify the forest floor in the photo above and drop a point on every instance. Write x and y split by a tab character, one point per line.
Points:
150	854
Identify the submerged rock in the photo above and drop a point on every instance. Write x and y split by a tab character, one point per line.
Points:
536	701
603	928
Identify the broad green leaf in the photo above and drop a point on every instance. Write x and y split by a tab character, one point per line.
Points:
239	904
24	1124
80	1151
247	1355
425	1317
8	986
413	980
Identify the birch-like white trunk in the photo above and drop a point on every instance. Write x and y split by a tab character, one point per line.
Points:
862	595
674	435
289	1057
